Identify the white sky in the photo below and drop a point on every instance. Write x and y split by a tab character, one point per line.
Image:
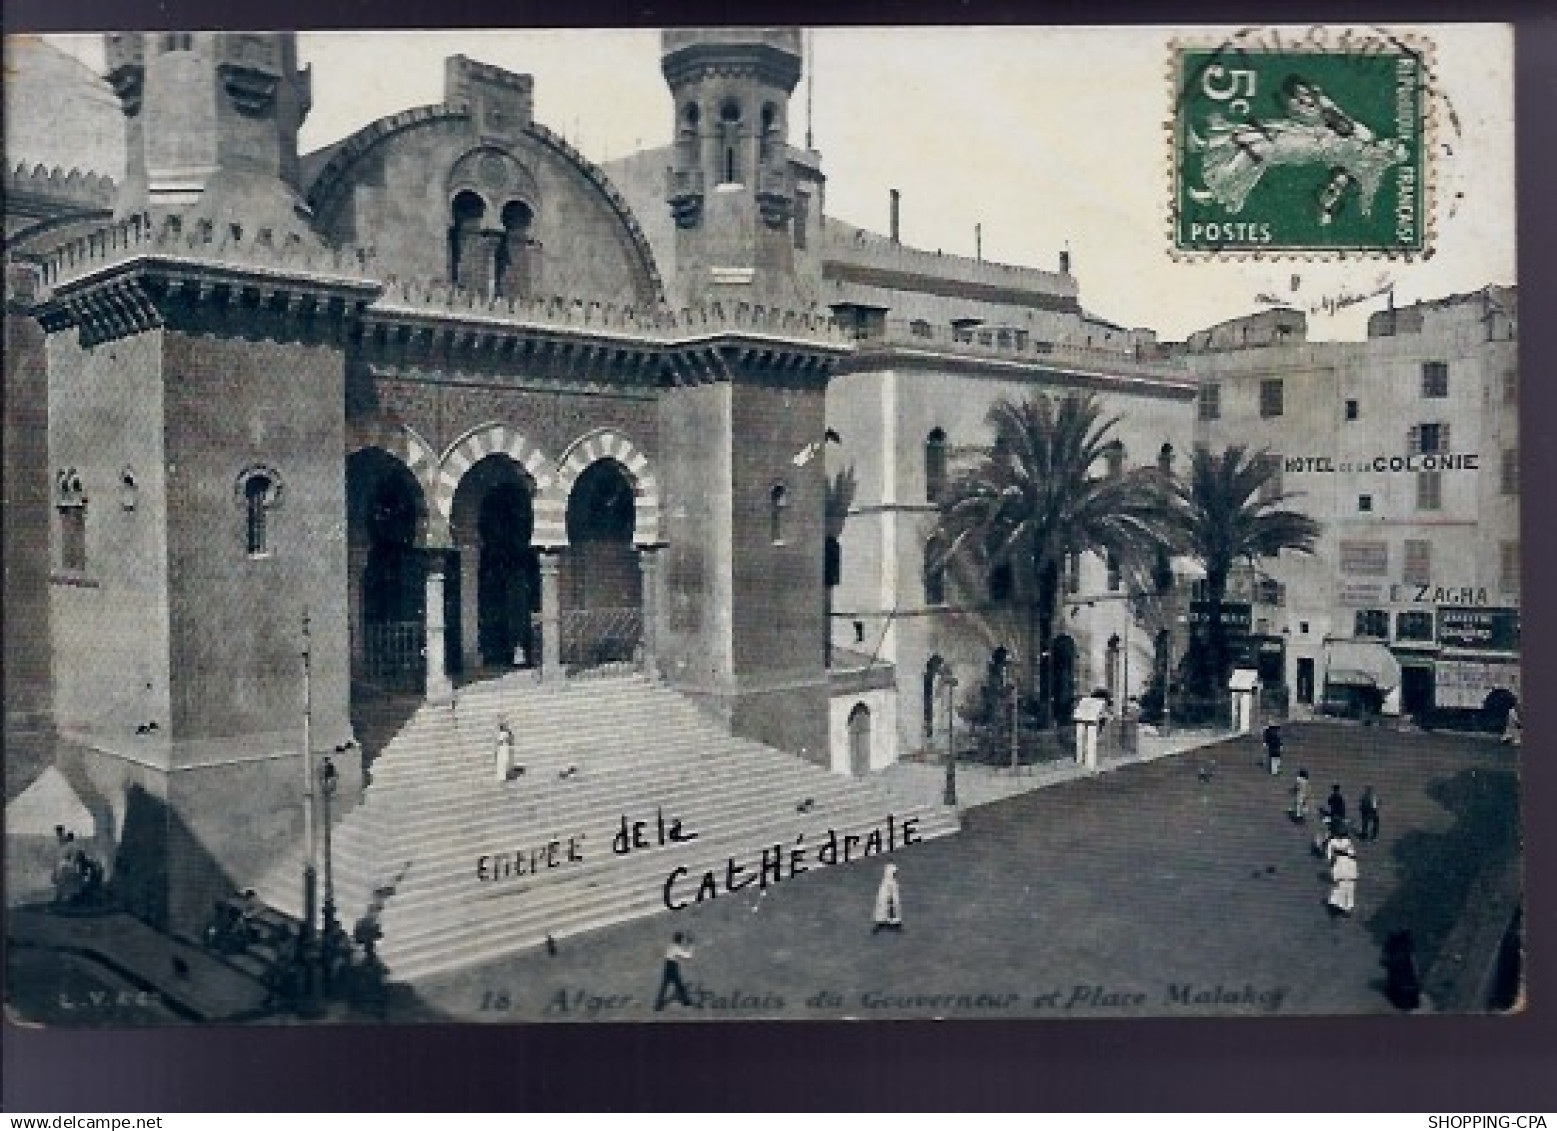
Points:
1045	136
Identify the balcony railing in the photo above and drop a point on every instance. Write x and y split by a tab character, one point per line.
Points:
594	640
394	655
1019	344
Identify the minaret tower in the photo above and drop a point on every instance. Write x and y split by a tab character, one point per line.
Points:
211	122
731	189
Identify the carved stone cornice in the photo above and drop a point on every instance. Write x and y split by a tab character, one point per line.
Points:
144	292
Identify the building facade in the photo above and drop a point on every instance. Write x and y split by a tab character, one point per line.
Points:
1405	448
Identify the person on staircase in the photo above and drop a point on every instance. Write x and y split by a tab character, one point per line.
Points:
504	766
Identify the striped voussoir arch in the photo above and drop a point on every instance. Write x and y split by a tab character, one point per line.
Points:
612	445
403	443
473	447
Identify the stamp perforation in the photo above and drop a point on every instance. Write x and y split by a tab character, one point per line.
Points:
1250	43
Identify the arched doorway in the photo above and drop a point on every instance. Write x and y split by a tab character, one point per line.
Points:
387	571
859	740
931	699
1063	683
499	588
602	591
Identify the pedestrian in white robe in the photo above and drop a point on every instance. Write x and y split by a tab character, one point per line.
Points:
889	903
1343	874
503	755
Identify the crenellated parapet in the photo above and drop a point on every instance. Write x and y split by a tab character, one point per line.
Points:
658	324
200	240
36	184
127	277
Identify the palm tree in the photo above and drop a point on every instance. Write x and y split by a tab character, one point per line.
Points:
1042	492
1229	510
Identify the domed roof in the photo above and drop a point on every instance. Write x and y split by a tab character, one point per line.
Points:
786	39
58	113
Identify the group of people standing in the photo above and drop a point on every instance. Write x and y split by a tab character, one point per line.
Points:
1333	840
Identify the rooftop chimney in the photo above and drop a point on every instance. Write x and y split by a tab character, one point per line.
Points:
896	198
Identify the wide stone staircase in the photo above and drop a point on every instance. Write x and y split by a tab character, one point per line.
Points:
410	856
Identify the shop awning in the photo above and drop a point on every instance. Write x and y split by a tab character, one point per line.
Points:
1362	663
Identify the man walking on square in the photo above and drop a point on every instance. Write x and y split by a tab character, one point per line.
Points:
1335	804
1273	749
679	951
1368	811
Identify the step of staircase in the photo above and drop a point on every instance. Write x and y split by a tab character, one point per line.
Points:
594	752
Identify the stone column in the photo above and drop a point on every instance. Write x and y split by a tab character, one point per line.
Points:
439	690
470	608
649	572
551	615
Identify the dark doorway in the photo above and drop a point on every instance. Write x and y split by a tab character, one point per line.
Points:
386	512
509	578
602	593
603	568
859	740
1305	680
1416	689
1063	680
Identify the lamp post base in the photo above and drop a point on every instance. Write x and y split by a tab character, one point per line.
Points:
310	900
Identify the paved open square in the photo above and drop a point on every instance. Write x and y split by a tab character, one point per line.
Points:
1180	886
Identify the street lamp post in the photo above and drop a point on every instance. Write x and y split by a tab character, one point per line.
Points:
310	868
949	681
1016	699
329	779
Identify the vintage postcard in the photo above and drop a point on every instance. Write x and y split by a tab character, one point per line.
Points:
761	523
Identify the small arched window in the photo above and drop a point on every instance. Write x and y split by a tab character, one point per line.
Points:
1165	459
256	498
71	503
259	493
465	216
729	125
935	465
514	269
778	506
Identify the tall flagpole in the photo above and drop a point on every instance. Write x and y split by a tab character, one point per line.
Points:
810	65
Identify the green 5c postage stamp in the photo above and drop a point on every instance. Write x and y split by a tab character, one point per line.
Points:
1300	148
